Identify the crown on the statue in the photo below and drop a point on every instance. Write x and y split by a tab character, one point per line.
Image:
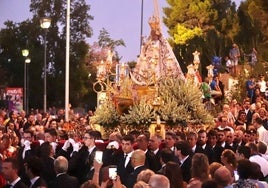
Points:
154	23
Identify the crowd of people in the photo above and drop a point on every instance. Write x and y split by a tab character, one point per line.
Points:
41	150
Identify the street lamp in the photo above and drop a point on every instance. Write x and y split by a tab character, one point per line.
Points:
25	53
45	24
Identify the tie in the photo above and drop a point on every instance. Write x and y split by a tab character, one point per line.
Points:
125	157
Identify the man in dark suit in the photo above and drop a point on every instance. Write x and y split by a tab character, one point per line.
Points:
81	161
184	154
216	149
150	162
10	168
124	167
33	168
205	148
29	149
166	155
63	179
154	145
138	162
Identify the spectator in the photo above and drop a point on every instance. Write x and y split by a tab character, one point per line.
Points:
223	177
174	174
10	169
199	170
33	168
183	153
159	181
63	179
243	170
138	162
234	55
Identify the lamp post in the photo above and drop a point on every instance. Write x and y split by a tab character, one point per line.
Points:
45	24
25	53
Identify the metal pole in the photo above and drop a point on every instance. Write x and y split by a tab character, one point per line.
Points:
67	62
141	24
27	88
24	90
45	71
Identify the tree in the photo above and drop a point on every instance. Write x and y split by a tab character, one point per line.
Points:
28	34
206	26
253	17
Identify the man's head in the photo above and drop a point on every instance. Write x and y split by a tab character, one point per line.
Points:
33	166
89	138
154	142
229	135
61	165
202	137
127	143
212	137
142	142
10	169
138	158
192	138
170	139
28	135
223	176
238	135
183	149
221	136
159	181
50	135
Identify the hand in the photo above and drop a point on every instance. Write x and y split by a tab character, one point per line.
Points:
71	141
27	145
113	145
66	145
117	182
76	146
97	165
54	145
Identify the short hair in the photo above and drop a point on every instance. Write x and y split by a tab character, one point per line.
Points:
252	146
139	155
159	181
223	176
202	131
184	147
262	147
245	150
129	138
259	120
192	134
51	131
172	134
13	161
166	155
212	133
145	175
243	168
61	164
94	134
28	131
35	164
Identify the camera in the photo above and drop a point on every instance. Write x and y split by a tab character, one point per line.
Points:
98	156
112	172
